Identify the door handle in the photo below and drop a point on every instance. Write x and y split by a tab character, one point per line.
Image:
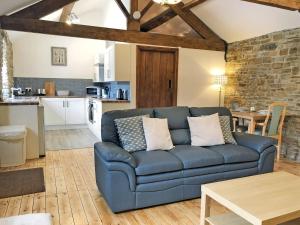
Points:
170	84
63	104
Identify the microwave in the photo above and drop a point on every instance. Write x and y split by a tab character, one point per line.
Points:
93	91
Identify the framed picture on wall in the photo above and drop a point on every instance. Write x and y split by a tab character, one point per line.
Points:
59	56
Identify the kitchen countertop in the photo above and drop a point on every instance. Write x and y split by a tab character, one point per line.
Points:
35	100
21	101
105	100
69	96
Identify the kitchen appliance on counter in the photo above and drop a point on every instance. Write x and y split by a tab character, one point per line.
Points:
94	91
105	92
91	111
41	92
122	94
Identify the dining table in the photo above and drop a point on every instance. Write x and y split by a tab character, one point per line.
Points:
252	117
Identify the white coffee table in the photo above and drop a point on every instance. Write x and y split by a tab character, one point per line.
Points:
267	199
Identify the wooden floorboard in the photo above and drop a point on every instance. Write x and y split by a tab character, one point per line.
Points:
72	196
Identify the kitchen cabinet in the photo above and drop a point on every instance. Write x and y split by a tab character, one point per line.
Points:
75	112
117	62
64	111
54	111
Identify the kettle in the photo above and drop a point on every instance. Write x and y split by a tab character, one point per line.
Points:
120	94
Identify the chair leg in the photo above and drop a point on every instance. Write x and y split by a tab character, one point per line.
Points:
278	149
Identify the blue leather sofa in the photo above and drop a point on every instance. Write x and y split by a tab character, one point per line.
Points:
142	179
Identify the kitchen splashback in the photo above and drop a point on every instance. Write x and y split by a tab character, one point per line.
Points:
77	87
114	86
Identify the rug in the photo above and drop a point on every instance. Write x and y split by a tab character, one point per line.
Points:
21	182
70	139
28	219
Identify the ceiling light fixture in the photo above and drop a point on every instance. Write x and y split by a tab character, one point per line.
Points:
72	19
170	2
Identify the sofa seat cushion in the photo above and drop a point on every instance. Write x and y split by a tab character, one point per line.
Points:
195	157
154	162
235	153
159	177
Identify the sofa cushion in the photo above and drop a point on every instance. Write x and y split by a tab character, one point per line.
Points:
235	153
108	129
195	157
157	134
177	121
205	111
131	133
159	177
177	116
181	136
155	162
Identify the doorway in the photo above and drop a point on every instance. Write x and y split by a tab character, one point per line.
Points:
156	77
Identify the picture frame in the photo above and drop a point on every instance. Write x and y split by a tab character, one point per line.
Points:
59	56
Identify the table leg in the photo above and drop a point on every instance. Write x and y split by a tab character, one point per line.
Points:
251	126
205	209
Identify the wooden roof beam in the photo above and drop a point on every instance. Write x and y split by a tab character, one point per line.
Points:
91	32
195	23
67	10
284	4
167	15
123	8
146	8
41	9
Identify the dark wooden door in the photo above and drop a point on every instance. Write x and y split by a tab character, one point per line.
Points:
156	77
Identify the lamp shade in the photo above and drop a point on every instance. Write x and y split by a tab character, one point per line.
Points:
171	2
220	80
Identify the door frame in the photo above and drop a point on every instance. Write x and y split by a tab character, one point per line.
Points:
139	49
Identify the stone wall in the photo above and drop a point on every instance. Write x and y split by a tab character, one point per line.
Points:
267	69
6	65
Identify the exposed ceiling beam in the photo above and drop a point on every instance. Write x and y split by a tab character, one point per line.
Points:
133	24
195	23
123	8
167	15
146	8
66	12
41	9
284	4
91	32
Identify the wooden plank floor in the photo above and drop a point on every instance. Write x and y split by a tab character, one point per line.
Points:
72	196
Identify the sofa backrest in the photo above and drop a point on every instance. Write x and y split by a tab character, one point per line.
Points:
204	111
177	121
108	129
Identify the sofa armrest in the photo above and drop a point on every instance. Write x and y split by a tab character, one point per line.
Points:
256	142
111	152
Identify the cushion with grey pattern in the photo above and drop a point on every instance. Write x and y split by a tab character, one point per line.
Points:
226	130
131	133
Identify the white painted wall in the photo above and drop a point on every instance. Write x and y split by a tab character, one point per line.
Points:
236	20
195	77
32	56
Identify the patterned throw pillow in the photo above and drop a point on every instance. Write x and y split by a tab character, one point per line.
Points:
131	133
226	130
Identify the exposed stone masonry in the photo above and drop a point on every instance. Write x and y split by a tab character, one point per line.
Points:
6	65
266	69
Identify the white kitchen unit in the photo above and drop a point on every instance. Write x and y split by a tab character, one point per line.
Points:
117	61
26	115
101	107
64	111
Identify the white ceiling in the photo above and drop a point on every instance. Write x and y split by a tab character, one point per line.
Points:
233	20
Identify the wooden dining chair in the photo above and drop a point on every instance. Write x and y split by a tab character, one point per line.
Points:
273	124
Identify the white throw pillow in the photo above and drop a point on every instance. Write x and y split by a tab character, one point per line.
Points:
206	130
157	134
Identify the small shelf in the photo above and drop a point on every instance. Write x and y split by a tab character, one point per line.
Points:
227	219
